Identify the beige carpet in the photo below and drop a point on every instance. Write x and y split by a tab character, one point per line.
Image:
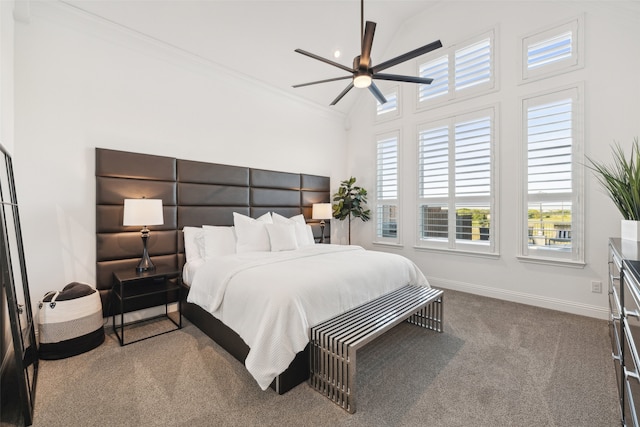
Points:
496	364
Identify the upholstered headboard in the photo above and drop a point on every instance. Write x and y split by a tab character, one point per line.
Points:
193	194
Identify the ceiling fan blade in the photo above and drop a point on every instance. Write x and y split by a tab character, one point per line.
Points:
399	78
326	61
407	56
376	92
323	81
367	42
343	93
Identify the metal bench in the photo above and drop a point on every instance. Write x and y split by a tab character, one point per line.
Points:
334	342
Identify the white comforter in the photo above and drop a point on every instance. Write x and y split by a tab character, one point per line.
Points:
272	298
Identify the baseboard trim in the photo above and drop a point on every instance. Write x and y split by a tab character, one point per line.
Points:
523	298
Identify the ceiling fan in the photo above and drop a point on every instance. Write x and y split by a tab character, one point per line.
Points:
363	73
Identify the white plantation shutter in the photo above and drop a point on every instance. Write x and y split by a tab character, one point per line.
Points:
550	50
388	169
473	65
387	188
549	141
473	157
433	162
438	70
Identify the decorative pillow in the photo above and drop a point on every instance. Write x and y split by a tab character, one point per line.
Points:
218	241
282	237
304	234
277	218
193	243
251	234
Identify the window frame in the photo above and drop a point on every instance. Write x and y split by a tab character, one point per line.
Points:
452	244
541	254
397	240
574	62
453	95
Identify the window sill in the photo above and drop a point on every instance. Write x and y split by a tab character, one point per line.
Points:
552	261
458	252
388	244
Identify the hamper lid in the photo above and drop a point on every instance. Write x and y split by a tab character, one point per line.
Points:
72	291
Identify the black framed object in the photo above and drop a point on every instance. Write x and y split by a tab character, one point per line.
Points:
19	346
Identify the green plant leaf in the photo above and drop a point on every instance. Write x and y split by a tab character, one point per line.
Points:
621	179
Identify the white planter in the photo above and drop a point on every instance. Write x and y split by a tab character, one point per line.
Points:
630	230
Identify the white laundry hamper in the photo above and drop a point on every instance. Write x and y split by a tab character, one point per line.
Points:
70	321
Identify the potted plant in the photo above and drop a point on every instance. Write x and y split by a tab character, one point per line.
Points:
621	180
350	202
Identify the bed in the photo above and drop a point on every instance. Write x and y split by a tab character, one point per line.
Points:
198	195
283	293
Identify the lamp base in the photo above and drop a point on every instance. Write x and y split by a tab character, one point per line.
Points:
145	263
322	231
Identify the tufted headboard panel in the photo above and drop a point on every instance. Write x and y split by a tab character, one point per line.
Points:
193	194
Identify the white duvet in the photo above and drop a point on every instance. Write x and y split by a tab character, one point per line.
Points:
272	298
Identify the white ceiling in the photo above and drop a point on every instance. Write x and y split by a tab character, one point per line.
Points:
257	38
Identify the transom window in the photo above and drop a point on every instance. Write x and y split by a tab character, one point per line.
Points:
461	70
552	51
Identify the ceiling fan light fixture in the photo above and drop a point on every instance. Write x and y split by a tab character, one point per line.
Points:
362	81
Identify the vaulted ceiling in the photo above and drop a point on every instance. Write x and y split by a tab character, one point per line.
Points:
257	38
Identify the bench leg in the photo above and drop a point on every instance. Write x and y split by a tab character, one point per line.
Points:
431	316
333	371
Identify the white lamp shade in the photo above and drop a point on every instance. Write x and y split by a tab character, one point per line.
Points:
143	212
321	211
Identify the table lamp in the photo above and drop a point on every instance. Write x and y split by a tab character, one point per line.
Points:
143	212
321	211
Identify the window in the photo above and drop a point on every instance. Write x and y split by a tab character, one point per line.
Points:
462	70
386	214
552	51
456	182
553	175
391	108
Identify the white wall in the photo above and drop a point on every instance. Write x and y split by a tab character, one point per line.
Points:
81	83
612	112
6	75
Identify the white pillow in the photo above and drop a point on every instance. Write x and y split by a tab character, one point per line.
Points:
282	237
218	241
251	234
304	234
277	218
193	243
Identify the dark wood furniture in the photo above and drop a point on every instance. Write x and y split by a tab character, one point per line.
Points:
193	194
624	305
129	285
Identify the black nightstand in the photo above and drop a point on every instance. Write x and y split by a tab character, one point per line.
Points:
128	286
